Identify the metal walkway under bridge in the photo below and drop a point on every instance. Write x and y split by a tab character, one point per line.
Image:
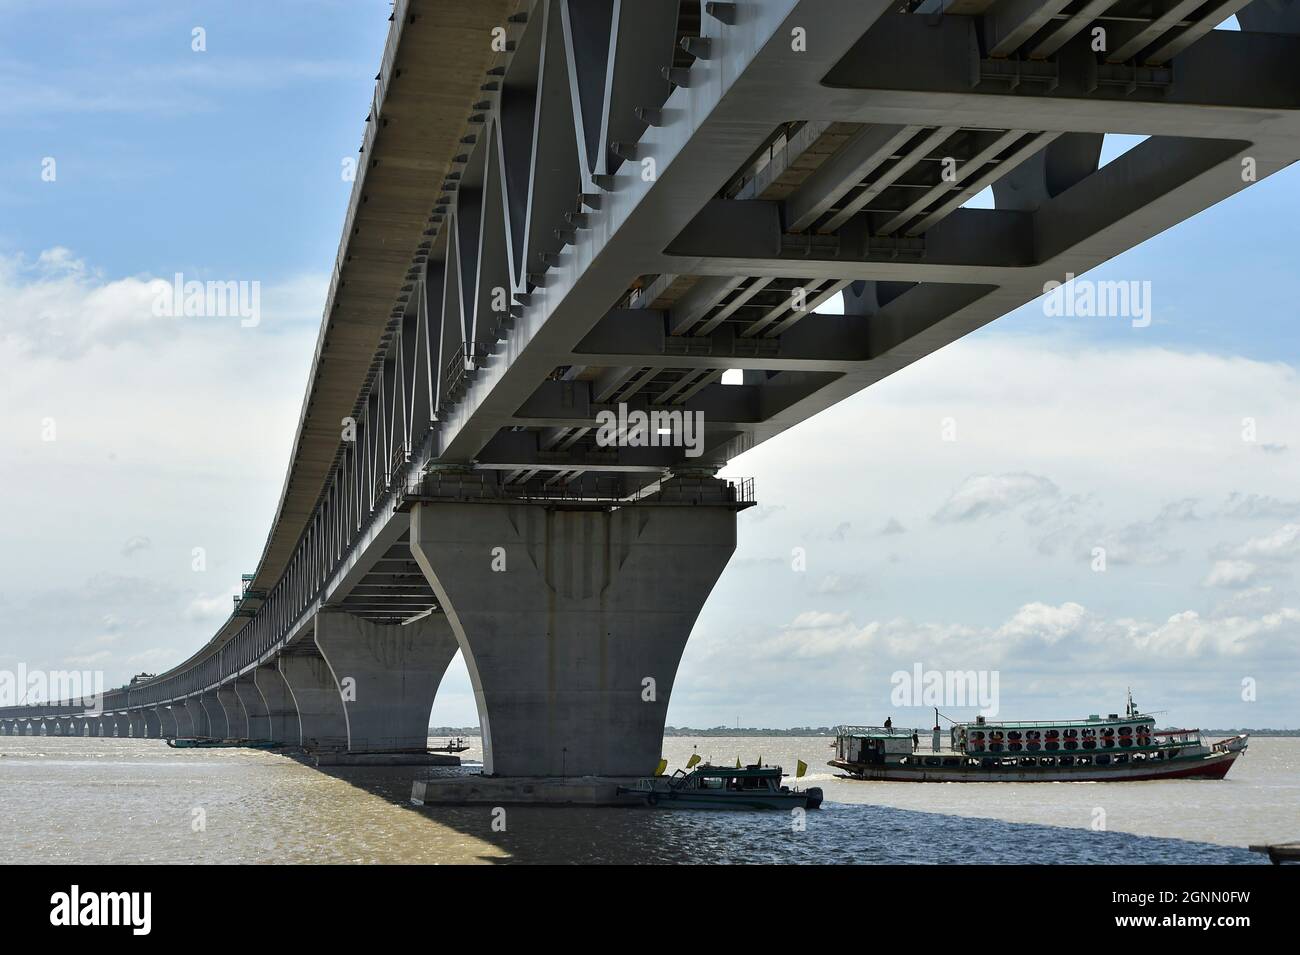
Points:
572	210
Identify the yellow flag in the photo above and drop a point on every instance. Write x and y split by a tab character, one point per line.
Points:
800	768
695	758
663	765
737	762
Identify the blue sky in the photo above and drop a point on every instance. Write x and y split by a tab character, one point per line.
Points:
1072	433
223	161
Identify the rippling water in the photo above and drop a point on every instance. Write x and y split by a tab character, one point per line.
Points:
122	800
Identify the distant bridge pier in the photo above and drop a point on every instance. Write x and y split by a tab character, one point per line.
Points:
184	717
198	718
108	725
316	696
257	722
152	724
217	728
387	677
283	724
135	723
236	720
573	621
166	722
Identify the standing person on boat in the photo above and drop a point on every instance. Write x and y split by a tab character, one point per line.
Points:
916	741
935	739
889	722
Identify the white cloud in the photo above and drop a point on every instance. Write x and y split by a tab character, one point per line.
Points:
1282	544
1231	574
986	494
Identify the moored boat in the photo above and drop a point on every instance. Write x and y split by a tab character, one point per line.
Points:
198	743
1097	749
721	787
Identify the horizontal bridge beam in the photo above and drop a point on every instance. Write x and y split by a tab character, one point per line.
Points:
1227	81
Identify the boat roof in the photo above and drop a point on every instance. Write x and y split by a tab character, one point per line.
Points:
732	772
1036	724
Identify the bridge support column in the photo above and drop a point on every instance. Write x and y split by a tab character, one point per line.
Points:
283	724
387	675
317	699
573	647
167	728
198	718
184	720
152	724
216	715
108	725
250	698
135	723
1271	16
233	711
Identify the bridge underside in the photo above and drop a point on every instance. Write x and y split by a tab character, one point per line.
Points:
662	207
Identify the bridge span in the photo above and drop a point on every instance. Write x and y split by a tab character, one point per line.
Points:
569	212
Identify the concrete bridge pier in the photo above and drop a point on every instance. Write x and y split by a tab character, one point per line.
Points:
283	725
573	647
233	712
198	718
216	715
135	723
1270	16
5	728
108	725
316	696
387	677
166	722
152	726
184	718
250	698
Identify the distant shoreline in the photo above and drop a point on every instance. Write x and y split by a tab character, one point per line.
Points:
805	731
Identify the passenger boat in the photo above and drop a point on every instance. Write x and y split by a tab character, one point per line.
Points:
721	787
1092	750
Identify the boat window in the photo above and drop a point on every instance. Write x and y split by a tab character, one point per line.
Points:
1083	761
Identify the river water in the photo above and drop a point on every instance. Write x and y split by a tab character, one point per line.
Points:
129	801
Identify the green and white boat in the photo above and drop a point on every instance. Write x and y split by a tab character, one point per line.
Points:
1099	749
722	787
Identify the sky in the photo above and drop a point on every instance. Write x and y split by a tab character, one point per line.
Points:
949	517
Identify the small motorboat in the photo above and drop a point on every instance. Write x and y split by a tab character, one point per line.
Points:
457	745
196	743
722	787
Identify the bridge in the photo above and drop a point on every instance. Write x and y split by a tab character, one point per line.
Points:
581	226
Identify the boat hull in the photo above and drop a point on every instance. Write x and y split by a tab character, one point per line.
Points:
1211	766
736	803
